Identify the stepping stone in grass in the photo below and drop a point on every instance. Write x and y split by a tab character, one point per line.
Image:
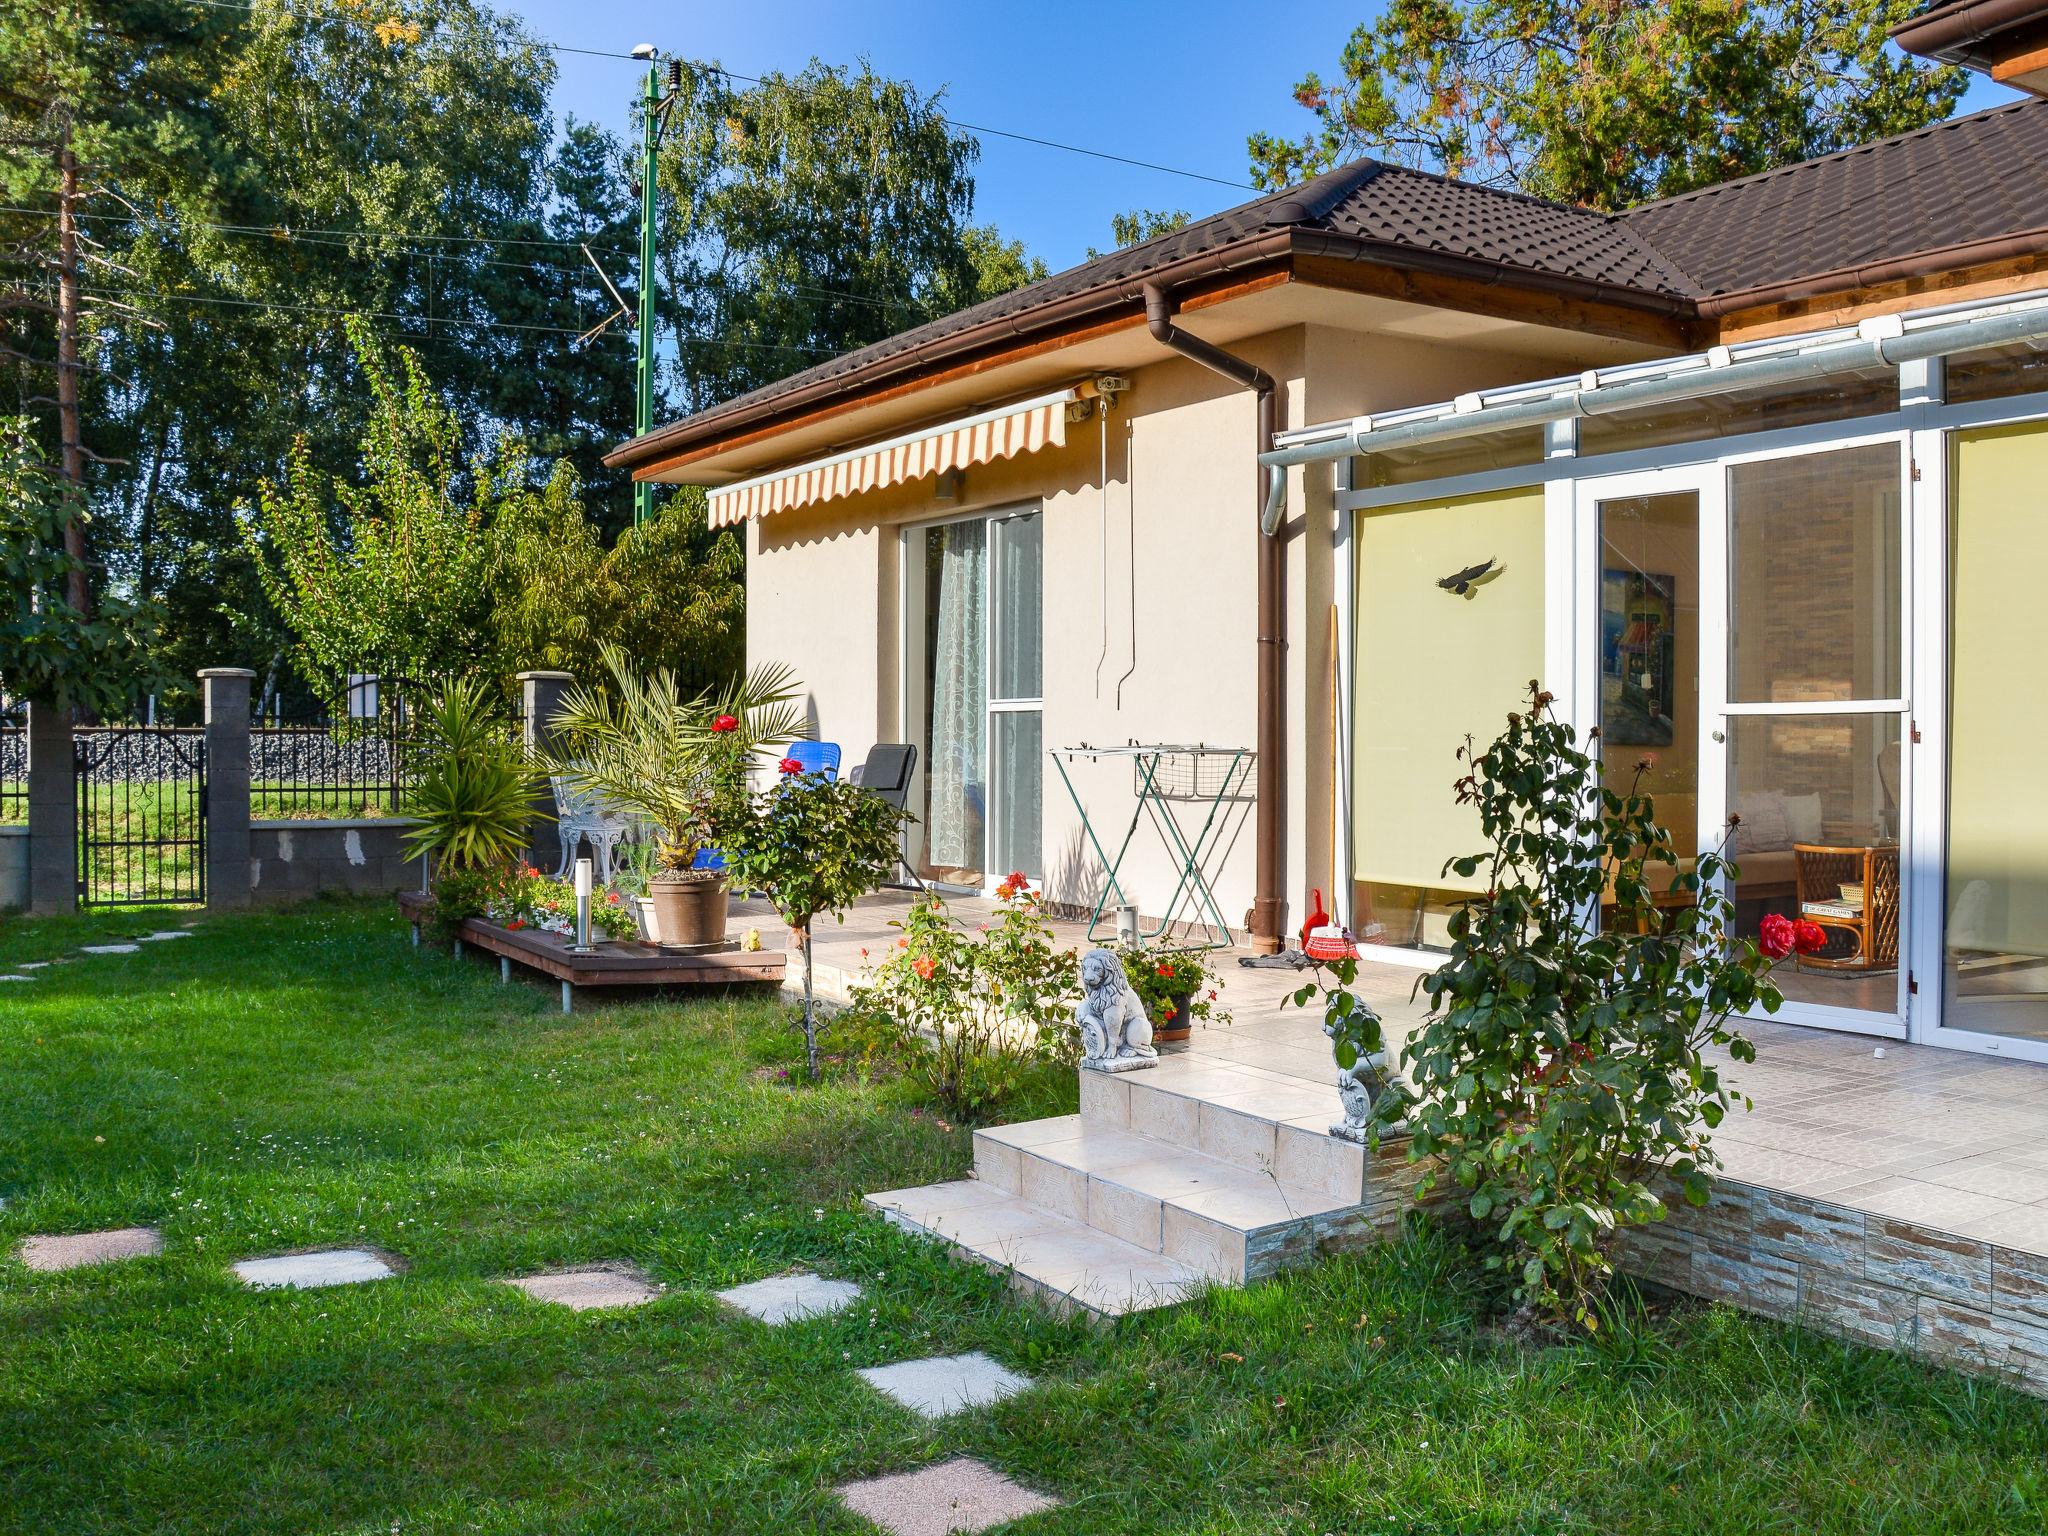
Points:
17	978
75	1250
947	1383
789	1298
158	938
590	1288
310	1271
33	965
108	949
958	1495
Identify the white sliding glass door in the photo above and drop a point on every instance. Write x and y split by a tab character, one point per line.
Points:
974	675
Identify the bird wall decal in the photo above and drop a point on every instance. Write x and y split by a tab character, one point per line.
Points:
1462	582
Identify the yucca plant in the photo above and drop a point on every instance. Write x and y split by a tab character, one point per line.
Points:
476	792
680	763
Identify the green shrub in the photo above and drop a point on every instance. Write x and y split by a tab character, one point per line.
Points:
973	1018
1561	1074
476	793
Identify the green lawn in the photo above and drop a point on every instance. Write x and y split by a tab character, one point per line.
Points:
288	1080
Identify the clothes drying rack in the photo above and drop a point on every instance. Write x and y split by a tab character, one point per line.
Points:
1202	777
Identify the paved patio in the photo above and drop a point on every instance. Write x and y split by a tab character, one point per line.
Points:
1945	1139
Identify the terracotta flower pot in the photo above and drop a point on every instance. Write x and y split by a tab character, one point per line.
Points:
1180	1026
689	909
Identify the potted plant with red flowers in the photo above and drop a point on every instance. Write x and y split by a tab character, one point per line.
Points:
1177	987
682	765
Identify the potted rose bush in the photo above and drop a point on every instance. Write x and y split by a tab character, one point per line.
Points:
682	765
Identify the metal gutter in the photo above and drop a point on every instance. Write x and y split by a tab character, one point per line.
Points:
1955	28
1269	903
1885	341
2033	242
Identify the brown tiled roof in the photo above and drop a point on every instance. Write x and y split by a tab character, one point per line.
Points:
1366	199
1969	179
1966	179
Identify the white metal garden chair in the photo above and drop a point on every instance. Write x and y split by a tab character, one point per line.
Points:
580	814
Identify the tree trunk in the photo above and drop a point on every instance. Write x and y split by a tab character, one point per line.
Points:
78	593
810	1008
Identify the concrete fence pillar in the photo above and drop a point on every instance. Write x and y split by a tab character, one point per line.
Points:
52	811
227	786
540	708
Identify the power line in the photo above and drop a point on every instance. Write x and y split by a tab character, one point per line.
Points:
953	122
429	321
337	239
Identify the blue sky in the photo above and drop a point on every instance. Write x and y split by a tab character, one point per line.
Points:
1179	85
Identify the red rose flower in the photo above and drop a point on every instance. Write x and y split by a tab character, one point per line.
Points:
725	723
924	965
1775	936
1165	969
790	765
516	923
1167	1016
1809	938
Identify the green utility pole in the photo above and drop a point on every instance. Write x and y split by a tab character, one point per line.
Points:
654	117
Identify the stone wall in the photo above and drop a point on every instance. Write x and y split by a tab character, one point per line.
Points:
1957	1301
292	860
13	868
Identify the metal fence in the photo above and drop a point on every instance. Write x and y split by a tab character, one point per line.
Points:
13	765
348	757
141	814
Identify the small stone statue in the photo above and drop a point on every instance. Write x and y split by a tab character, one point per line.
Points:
1359	1087
1115	1034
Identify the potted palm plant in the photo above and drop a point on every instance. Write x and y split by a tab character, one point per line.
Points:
682	766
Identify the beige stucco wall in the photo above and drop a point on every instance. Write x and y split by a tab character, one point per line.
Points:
1178	661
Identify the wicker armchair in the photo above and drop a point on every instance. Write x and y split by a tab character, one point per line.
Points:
1862	936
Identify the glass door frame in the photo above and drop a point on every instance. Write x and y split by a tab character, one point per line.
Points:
1707	483
914	706
1708	480
1933	448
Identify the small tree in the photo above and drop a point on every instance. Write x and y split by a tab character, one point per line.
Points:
1561	1072
818	845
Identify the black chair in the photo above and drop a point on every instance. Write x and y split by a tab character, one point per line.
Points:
886	772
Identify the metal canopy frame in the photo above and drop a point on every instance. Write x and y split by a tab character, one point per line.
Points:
1153	773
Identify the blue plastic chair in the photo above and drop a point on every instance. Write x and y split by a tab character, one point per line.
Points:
816	756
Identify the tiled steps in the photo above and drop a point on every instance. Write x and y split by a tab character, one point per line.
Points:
1193	1171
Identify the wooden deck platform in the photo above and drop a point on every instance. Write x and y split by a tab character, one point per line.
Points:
616	963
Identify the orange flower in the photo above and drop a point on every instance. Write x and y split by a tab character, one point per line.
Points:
924	965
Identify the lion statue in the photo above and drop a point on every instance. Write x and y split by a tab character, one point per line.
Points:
1111	1016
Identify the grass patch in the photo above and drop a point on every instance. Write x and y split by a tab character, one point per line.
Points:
291	1079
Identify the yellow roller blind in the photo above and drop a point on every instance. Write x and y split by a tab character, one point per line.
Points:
1434	667
1998	707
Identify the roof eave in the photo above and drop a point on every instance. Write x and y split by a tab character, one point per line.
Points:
1270	249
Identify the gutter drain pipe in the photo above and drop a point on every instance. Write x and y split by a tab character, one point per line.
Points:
1268	905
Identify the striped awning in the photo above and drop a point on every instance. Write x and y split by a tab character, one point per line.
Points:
1000	433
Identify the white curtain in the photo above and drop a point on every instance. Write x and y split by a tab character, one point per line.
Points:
959	695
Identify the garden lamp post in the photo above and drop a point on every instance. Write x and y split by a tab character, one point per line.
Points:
654	110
